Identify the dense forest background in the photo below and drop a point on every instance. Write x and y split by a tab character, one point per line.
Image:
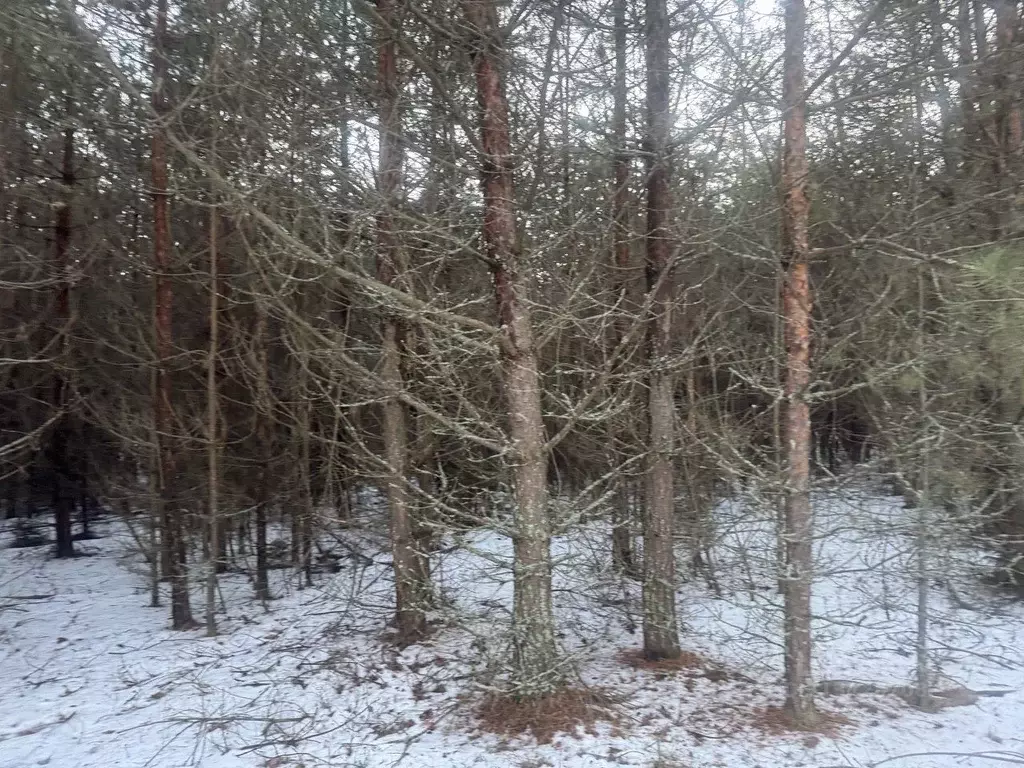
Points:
520	266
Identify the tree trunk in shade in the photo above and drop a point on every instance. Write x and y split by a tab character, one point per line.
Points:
173	530
63	494
264	441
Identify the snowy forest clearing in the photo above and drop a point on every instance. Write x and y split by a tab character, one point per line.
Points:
90	678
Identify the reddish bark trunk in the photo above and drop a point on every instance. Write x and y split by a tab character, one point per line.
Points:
796	309
661	636
410	591
174	541
536	662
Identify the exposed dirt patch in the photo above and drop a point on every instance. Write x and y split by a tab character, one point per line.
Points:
563	712
687	660
692	665
775	721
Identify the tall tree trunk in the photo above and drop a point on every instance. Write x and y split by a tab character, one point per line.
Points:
85	507
344	129
1007	40
301	488
304	509
425	519
265	447
159	559
924	502
214	528
543	141
1007	129
947	112
173	530
214	532
63	499
796	312
980	30
410	615
622	539
965	83
661	635
536	659
1007	139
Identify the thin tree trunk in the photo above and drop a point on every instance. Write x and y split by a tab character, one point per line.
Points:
622	539
85	504
63	502
966	78
305	494
536	660
980	30
174	538
965	57
11	498
410	615
1007	129
213	448
947	113
923	506
264	396
241	536
424	528
661	635
344	121
158	568
568	201
302	506
796	312
263	439
1007	34
543	141
622	536
262	580
214	532
295	523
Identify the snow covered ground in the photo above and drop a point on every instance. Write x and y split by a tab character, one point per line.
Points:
90	676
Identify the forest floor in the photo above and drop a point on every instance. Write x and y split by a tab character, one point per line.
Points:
90	676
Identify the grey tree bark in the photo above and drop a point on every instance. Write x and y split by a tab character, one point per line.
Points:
536	664
796	312
410	608
622	539
661	635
